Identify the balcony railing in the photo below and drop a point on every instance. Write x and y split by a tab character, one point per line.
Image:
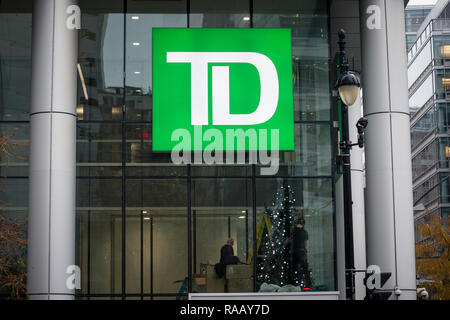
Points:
434	25
440	24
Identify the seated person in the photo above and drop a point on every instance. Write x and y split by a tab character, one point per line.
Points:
226	257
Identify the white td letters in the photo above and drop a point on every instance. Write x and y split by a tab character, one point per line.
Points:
221	86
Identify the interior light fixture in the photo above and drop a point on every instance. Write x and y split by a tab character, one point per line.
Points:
137	72
144	211
116	110
136	44
445	51
246	18
242	217
80	111
446	83
134	17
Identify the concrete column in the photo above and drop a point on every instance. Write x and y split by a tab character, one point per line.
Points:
51	225
389	213
358	184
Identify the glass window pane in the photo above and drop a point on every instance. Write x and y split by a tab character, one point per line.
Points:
312	155
299	248
424	160
99	193
14	194
15	57
221	170
146	193
99	250
308	22
222	209
441	52
422	189
156	224
99	149
100	61
414	18
219	14
14	162
423	127
140	21
150	235
141	160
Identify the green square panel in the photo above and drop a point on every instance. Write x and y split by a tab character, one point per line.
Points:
213	86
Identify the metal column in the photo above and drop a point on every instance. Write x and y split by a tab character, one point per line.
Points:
51	225
389	212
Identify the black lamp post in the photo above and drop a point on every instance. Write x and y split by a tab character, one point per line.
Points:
348	86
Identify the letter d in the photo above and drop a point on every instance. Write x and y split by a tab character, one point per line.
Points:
265	309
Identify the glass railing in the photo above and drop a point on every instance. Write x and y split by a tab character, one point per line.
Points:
434	25
440	24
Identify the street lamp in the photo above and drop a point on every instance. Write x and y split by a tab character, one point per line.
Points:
348	87
348	83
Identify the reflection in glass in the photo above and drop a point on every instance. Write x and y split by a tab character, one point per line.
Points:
221	209
139	97
429	188
156	250
441	49
15	67
99	250
14	162
414	18
312	155
423	127
219	14
99	149
14	195
424	160
156	225
128	194
302	259
308	22
100	66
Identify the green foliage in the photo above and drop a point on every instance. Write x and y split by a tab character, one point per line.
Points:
12	249
12	238
432	257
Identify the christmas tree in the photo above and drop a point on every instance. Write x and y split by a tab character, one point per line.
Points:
274	264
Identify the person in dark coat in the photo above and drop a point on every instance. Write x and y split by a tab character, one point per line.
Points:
300	240
300	253
226	257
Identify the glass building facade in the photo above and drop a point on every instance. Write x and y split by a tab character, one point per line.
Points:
414	16
143	224
429	88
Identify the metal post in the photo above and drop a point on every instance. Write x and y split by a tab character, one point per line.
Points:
359	236
347	179
51	224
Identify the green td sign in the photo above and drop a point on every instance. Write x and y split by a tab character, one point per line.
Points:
209	83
